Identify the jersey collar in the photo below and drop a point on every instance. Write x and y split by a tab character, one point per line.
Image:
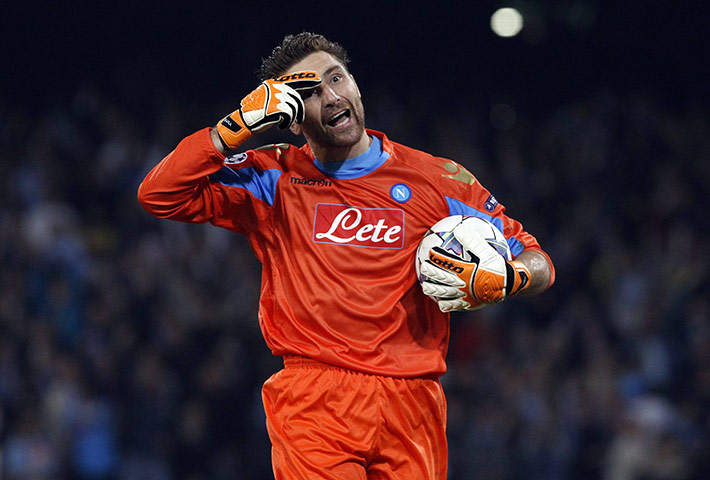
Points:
359	166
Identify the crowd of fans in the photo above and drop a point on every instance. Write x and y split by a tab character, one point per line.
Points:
130	348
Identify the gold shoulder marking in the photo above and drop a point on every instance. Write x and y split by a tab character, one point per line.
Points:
458	173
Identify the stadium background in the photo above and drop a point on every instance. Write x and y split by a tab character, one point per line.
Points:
129	347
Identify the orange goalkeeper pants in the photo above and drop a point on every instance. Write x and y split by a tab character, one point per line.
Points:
326	422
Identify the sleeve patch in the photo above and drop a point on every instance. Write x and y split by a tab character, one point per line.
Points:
491	203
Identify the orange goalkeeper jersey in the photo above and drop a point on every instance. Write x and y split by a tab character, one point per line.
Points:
336	242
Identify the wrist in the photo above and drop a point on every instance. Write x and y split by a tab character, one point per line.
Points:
219	144
517	278
231	132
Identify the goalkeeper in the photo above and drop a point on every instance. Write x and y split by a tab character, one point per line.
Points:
335	224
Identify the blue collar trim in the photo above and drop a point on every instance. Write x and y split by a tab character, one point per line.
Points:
358	166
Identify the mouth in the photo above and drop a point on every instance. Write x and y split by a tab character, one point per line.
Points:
339	119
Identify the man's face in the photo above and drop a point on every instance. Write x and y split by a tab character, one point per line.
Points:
334	113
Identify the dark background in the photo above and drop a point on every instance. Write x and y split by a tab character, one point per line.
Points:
129	347
567	48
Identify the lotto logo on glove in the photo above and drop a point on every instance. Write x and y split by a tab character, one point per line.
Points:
294	79
445	264
274	102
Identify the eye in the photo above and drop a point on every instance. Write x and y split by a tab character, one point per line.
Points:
307	93
336	78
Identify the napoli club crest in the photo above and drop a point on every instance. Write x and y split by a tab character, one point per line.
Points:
400	192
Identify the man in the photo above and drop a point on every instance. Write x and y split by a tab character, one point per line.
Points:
335	225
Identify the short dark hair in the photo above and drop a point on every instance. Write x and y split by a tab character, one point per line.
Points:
293	48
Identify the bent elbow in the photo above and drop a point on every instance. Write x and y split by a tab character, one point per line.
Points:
143	197
151	201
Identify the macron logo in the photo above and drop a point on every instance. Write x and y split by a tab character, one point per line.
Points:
359	227
309	181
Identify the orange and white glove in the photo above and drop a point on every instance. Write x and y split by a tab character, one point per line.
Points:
274	101
488	278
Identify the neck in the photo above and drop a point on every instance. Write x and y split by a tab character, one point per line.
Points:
328	154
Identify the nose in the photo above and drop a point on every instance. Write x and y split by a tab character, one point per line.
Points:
329	95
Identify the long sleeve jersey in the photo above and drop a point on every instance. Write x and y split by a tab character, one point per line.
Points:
336	242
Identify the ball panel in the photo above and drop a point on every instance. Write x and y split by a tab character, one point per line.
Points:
447	224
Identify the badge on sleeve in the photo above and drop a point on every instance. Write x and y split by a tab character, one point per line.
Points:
236	159
491	203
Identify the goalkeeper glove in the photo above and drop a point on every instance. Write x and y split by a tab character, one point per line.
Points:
274	101
458	284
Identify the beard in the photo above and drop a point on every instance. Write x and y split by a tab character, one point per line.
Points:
324	135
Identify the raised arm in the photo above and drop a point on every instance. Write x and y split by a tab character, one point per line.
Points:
178	187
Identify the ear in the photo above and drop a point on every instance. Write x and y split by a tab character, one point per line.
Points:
296	128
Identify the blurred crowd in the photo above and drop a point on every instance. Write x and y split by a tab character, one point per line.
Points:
130	349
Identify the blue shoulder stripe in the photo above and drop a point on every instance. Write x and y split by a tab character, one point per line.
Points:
457	207
261	184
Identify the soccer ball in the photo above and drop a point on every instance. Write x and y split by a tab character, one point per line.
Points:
441	235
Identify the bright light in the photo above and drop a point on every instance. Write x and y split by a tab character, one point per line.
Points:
506	22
